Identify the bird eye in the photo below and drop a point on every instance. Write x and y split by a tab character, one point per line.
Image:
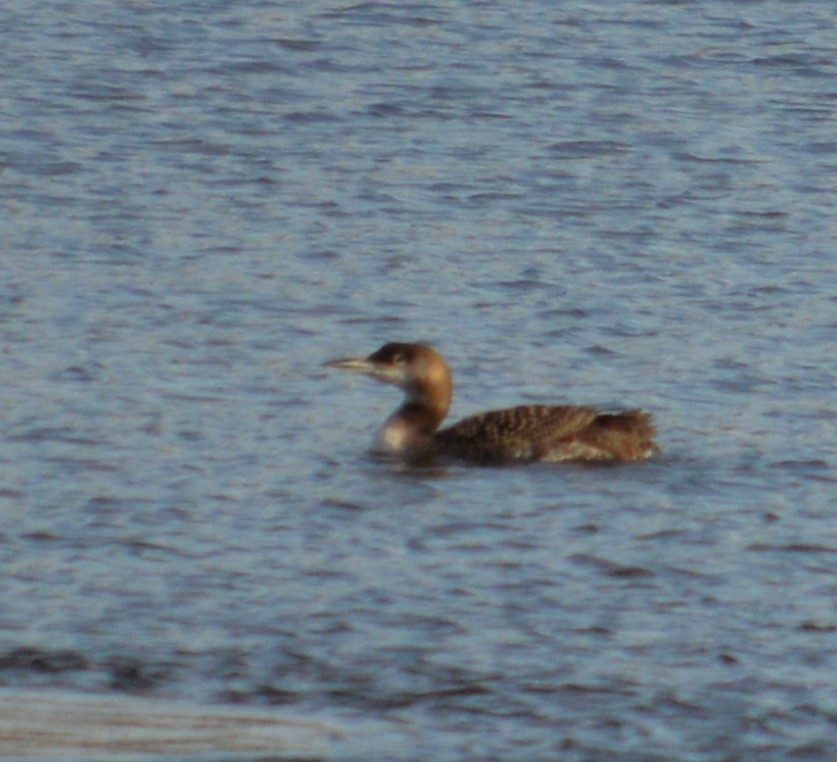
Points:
399	359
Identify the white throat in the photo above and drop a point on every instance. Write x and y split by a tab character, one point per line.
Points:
394	437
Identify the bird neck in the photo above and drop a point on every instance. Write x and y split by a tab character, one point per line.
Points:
410	429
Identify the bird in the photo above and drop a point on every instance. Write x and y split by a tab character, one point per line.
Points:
526	433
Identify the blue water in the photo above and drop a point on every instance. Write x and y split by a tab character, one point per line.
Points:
621	204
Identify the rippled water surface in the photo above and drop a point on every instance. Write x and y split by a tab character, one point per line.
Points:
620	204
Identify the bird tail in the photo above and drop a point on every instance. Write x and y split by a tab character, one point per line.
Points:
628	435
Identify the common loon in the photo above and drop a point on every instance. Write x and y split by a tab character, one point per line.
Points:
548	433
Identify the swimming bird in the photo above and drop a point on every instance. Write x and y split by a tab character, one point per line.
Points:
547	433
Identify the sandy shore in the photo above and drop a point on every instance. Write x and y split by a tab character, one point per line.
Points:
35	725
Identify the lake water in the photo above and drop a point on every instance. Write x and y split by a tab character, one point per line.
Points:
622	204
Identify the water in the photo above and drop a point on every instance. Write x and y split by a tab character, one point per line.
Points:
620	204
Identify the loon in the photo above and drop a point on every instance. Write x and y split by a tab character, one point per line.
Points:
547	433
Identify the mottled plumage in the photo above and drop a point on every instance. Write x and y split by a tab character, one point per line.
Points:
549	433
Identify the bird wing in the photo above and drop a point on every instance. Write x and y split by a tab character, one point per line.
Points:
526	432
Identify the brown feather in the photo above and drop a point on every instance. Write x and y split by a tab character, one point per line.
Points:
549	433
